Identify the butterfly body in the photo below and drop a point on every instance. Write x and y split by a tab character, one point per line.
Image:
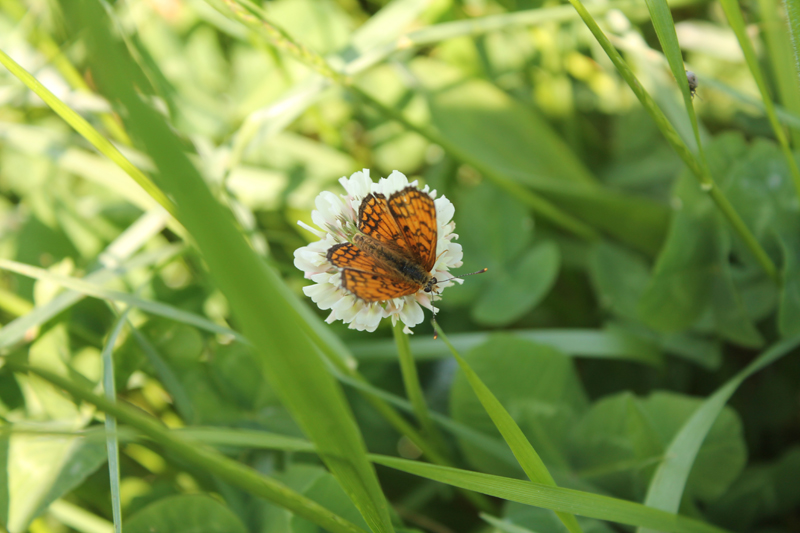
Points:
396	259
394	253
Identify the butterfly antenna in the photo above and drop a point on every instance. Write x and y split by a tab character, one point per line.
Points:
481	271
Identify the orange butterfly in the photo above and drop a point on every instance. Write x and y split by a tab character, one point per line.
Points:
395	251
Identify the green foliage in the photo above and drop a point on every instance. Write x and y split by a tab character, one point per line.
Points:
628	358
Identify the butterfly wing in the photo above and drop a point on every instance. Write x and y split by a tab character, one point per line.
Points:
375	220
414	213
366	277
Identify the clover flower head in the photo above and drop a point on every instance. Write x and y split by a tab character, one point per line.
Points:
336	218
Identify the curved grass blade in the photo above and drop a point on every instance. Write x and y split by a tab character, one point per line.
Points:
213	462
88	132
558	499
289	359
666	486
528	459
91	289
114	261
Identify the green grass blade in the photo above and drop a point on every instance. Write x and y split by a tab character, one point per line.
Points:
590	343
558	499
666	486
91	289
115	262
254	292
736	20
775	33
793	13
112	444
673	138
212	462
528	459
79	124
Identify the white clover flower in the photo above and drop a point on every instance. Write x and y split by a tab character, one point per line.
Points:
337	219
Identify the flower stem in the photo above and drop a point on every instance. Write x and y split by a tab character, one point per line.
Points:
408	367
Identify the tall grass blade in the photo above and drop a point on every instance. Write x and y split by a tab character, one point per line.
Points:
793	13
91	289
546	496
112	444
528	459
115	262
290	360
80	125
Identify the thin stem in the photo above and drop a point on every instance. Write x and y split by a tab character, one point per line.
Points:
226	469
707	183
408	368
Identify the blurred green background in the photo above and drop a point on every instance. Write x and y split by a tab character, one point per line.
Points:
617	296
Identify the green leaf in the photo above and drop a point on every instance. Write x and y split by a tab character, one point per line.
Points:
523	518
42	468
763	491
535	383
619	277
621	439
517	289
735	18
692	275
185	514
226	469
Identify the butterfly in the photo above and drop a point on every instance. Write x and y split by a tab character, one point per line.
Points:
395	250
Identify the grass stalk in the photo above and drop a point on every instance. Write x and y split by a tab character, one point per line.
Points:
707	183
